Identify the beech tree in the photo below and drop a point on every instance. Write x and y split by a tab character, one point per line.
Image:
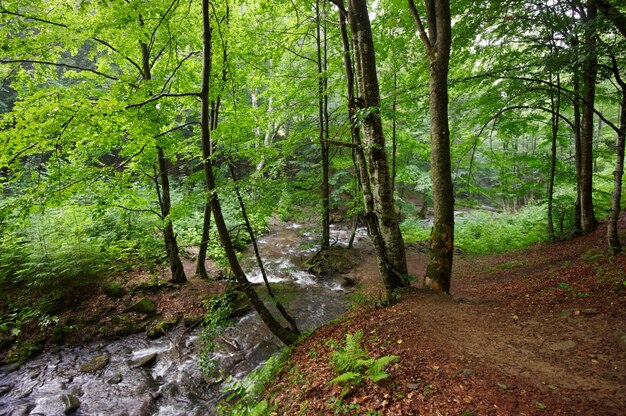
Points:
437	43
364	109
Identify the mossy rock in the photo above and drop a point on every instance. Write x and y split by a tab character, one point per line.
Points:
192	320
97	363
144	306
114	290
153	286
161	328
327	262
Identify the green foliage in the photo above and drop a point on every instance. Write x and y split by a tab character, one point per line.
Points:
483	232
218	311
354	365
245	394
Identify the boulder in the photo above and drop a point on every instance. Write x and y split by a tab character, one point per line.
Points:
97	363
144	306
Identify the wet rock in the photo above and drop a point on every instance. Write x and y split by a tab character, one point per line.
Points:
145	361
562	346
4	389
21	394
116	379
20	410
70	403
9	368
97	363
161	328
148	406
348	282
144	306
64	404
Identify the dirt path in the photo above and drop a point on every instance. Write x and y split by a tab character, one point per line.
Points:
536	332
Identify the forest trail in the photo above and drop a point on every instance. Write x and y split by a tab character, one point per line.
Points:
538	331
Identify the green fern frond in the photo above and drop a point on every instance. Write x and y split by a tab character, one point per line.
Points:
347	378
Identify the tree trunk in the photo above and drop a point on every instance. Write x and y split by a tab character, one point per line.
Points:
612	229
322	96
171	246
286	335
555	104
259	260
204	242
438	42
380	214
578	228
588	219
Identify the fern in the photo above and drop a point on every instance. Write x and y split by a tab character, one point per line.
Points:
347	358
376	371
354	365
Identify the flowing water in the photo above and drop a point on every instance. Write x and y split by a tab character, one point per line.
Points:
171	383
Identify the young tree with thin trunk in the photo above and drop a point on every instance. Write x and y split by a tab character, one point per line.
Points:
438	42
286	335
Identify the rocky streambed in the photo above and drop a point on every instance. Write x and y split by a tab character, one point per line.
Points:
137	376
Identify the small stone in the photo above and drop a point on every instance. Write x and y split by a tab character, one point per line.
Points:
97	363
144	306
413	386
116	379
70	403
589	311
144	361
562	346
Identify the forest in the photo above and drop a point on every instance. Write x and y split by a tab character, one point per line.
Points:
168	167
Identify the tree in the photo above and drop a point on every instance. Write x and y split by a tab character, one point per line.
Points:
364	110
286	335
438	42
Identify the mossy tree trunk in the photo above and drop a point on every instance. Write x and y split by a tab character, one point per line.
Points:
438	42
380	213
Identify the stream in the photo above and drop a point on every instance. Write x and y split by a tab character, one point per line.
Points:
137	376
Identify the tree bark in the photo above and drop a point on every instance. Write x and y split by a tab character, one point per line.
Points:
322	85
286	335
171	246
556	105
588	219
612	229
578	228
438	43
380	214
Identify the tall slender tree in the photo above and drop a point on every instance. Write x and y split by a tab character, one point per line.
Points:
285	334
438	42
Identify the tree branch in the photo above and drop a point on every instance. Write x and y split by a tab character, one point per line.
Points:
159	96
14	158
340	6
420	26
613	14
78	68
182	126
140	210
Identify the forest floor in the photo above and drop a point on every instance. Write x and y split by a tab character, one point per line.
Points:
532	332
